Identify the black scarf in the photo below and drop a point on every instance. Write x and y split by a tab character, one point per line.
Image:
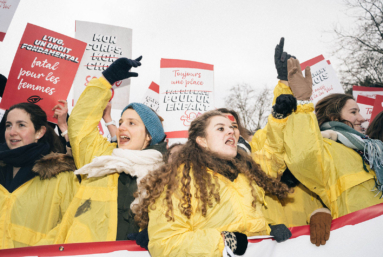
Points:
23	157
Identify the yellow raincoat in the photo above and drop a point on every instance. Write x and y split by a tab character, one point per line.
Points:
96	194
201	236
331	170
31	214
268	151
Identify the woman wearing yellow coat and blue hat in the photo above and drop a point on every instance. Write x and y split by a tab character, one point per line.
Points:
209	196
111	172
36	181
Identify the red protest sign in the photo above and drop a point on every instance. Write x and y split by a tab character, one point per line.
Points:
378	106
43	70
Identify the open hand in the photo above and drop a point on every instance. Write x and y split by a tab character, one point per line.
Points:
301	86
61	113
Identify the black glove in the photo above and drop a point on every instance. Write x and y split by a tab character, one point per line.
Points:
120	69
285	105
280	232
142	238
280	60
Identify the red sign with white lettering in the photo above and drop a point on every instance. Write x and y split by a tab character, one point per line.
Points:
378	106
43	70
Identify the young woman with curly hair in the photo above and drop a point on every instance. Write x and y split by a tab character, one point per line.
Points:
209	192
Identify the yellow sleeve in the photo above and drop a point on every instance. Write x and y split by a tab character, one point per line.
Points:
83	132
305	153
181	237
281	89
268	148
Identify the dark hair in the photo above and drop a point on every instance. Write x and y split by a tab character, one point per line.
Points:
194	161
375	129
242	130
168	151
39	119
330	108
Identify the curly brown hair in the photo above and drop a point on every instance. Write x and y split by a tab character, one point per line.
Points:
330	107
193	160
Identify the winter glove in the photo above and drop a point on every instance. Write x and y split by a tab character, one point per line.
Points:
120	69
236	241
280	60
320	225
284	106
280	232
142	238
301	86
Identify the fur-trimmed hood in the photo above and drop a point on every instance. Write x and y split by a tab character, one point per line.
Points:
52	164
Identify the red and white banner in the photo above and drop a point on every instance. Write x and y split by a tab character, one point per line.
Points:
7	10
366	105
186	92
378	107
43	69
355	234
152	97
105	44
325	80
370	92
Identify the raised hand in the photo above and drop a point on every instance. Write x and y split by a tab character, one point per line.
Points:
120	69
61	112
301	86
280	60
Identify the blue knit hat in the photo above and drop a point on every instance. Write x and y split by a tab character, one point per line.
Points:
151	121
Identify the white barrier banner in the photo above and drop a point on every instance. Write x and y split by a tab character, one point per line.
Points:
7	10
325	80
355	234
186	92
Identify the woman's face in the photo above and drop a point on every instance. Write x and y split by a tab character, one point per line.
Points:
220	137
351	113
131	133
234	124
19	129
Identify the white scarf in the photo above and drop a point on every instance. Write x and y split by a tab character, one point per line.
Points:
136	163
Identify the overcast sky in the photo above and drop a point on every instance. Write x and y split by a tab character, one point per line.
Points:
237	37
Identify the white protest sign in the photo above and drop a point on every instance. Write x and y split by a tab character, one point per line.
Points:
7	10
186	92
152	97
370	92
325	81
366	105
106	44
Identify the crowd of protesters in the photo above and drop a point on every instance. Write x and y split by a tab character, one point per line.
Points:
220	187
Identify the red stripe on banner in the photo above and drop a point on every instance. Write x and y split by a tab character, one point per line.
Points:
174	63
365	100
360	88
155	87
312	61
177	134
2	36
73	249
346	220
328	61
